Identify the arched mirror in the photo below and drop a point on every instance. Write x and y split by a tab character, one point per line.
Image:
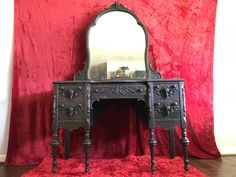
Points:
116	48
117	44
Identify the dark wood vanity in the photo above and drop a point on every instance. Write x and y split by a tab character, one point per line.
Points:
117	67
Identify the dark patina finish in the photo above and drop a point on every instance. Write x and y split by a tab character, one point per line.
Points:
163	100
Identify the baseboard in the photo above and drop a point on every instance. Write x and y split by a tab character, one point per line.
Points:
2	158
228	151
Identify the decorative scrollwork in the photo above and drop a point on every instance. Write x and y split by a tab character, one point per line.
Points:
117	6
55	142
166	109
71	111
54	106
71	93
165	91
99	90
119	90
126	90
88	88
184	104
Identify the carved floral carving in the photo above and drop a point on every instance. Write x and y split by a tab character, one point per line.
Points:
167	108
71	92
121	90
71	111
165	91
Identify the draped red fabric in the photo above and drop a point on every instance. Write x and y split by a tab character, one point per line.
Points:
49	45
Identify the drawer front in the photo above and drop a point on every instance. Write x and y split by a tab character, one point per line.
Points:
70	112
70	102
167	110
73	93
103	91
166	91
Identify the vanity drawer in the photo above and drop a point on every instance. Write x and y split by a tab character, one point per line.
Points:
70	112
167	110
73	93
104	91
166	91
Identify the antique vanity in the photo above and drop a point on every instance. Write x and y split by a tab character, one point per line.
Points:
117	67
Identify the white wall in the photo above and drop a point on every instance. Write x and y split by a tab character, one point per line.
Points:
224	74
6	47
225	77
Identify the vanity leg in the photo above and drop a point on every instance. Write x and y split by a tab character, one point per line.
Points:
54	145
185	143
152	142
67	144
86	144
171	142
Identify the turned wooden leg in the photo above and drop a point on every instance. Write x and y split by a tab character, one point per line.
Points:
67	144
152	142
172	143
86	144
185	143
54	145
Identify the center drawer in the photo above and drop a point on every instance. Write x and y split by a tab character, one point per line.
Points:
104	91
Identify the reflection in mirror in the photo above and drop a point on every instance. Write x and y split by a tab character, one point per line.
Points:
116	48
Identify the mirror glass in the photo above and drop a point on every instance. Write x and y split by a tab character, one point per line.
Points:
116	46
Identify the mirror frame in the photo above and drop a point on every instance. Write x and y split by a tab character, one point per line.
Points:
84	73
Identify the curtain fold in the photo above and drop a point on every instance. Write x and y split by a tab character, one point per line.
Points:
49	45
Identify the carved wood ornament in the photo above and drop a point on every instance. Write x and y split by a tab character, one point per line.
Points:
73	100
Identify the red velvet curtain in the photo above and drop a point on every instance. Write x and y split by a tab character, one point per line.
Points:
49	45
